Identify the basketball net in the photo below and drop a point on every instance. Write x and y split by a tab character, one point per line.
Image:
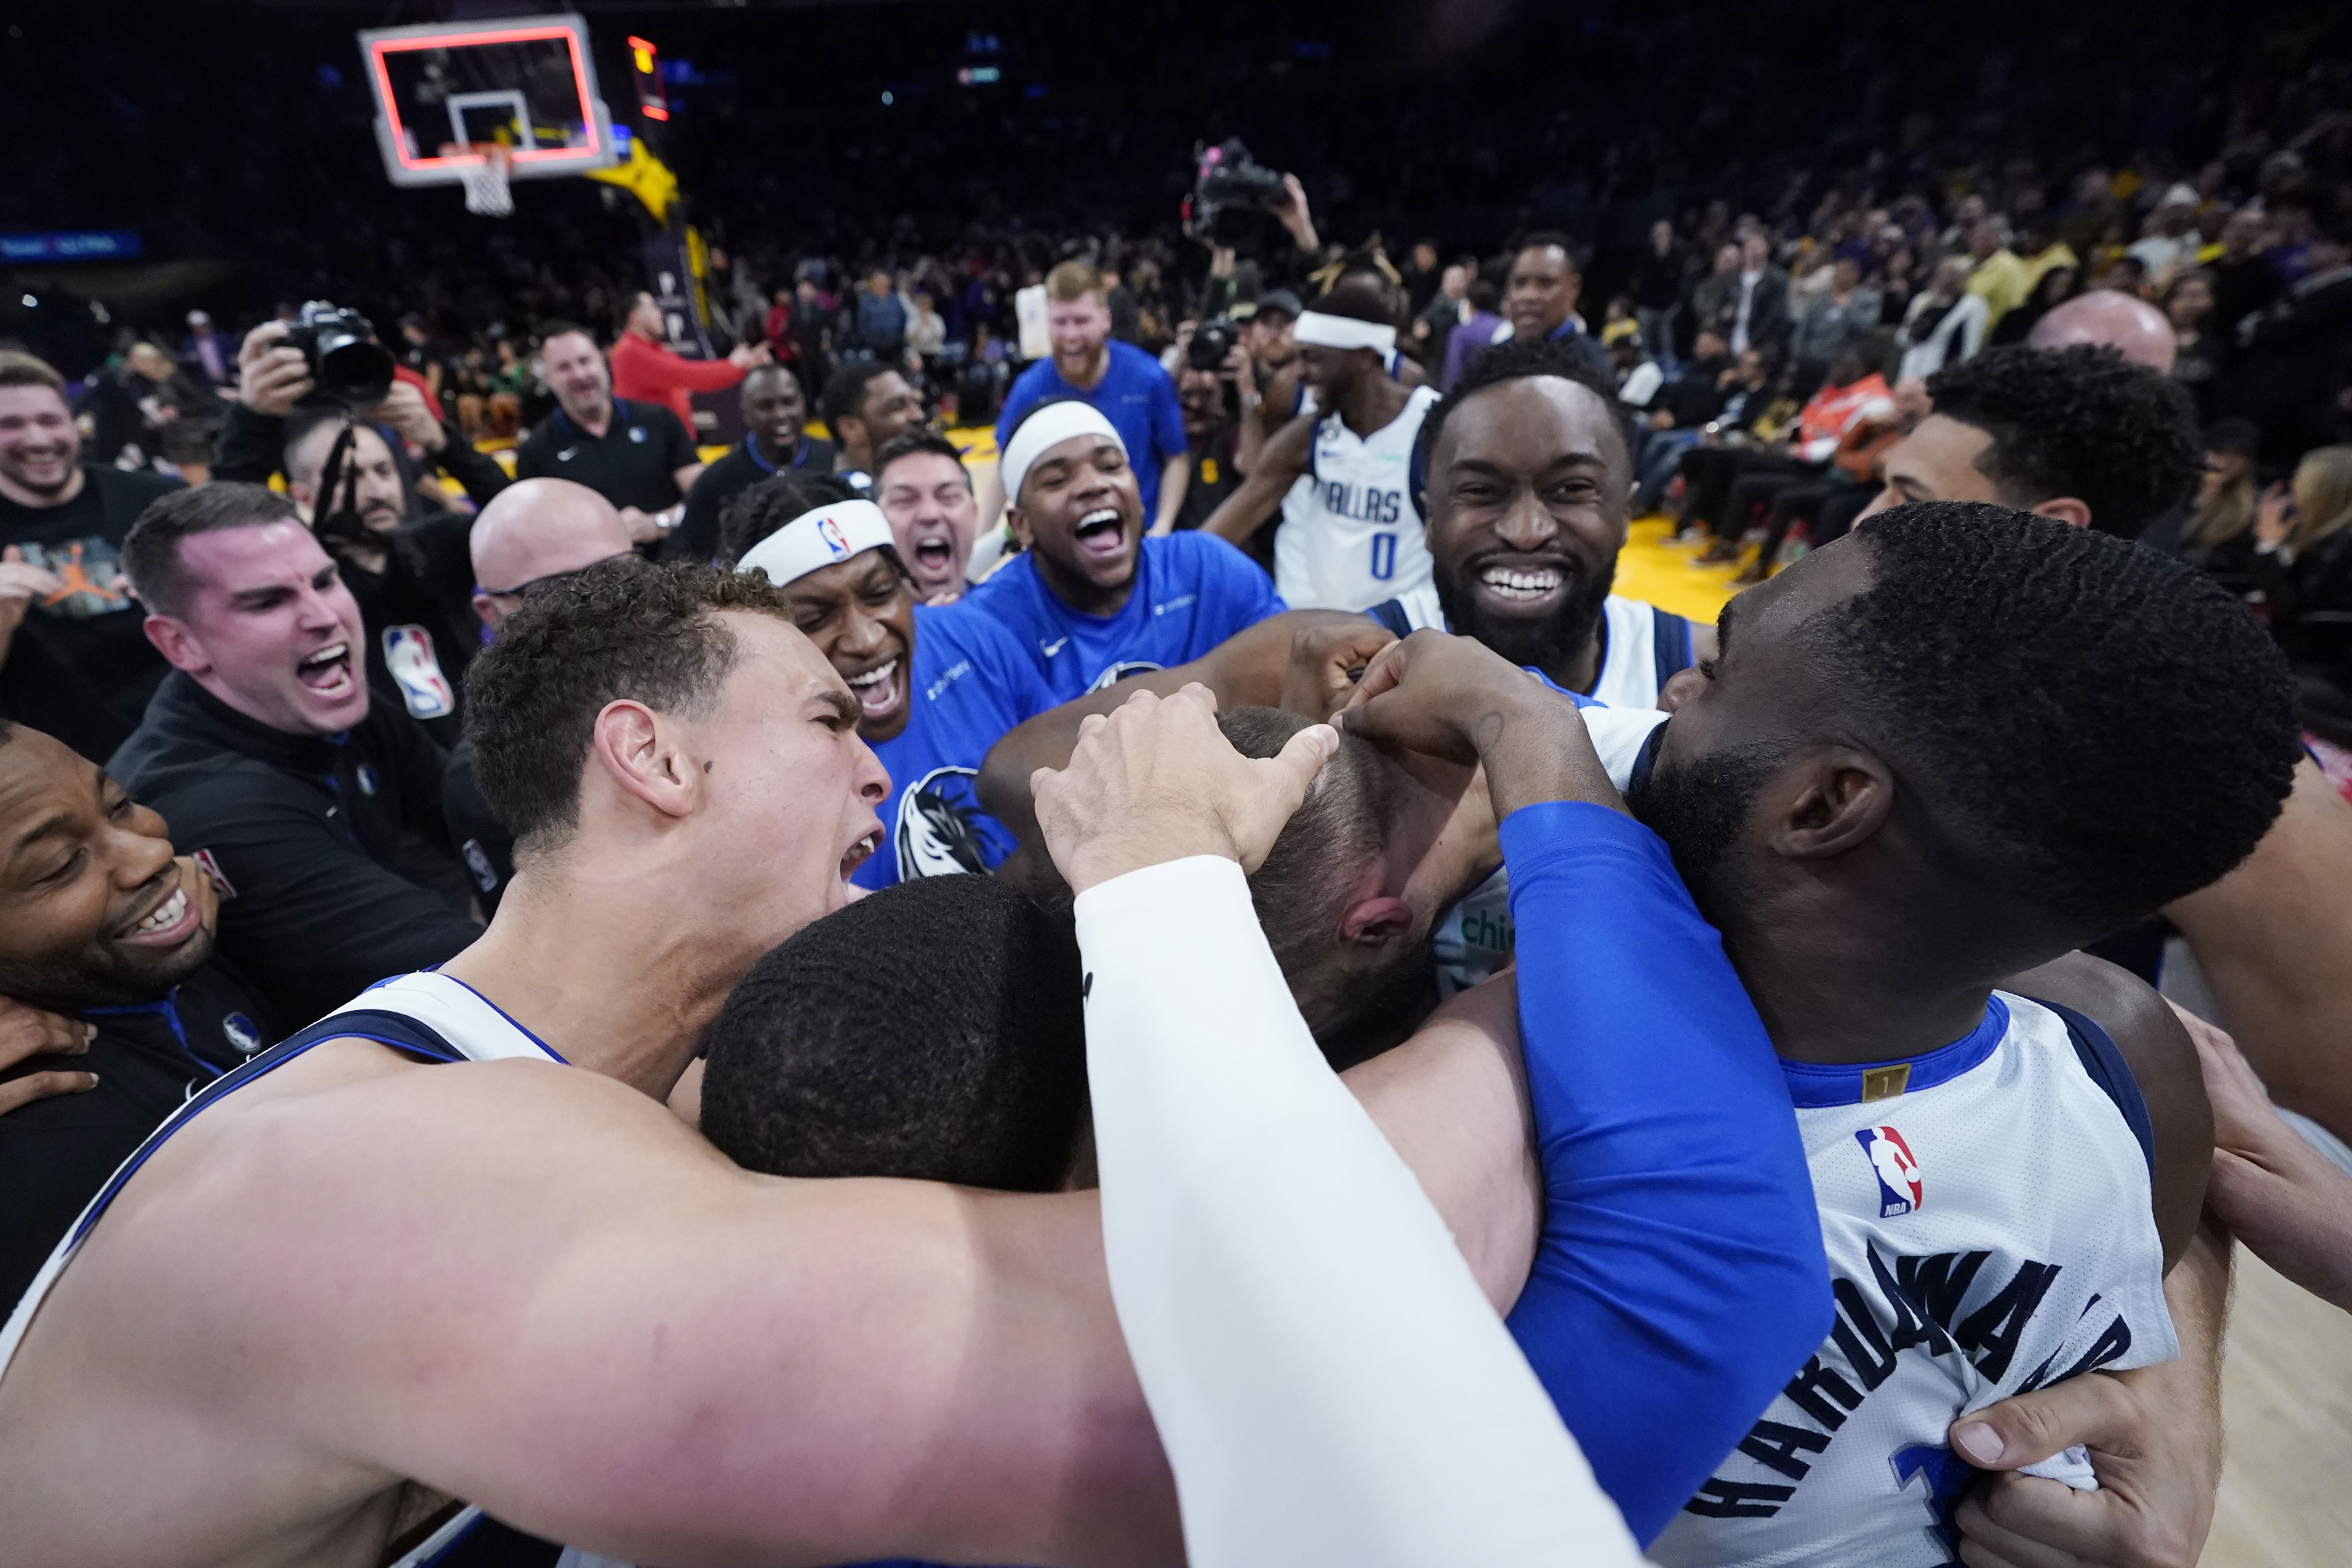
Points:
487	191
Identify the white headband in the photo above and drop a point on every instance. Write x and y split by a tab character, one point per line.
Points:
1043	431
815	540
1343	332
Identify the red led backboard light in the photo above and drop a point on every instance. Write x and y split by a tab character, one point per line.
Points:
529	82
652	99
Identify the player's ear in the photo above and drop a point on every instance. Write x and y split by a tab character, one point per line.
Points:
1831	801
1019	521
643	757
1374	923
178	645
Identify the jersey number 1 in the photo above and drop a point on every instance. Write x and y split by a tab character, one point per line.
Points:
1383	557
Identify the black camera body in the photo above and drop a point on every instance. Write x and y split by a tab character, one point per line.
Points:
345	360
1231	191
1213	341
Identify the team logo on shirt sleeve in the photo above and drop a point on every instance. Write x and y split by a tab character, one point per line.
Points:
1897	1170
941	828
1120	671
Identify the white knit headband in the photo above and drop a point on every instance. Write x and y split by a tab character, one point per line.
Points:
1046	429
815	540
1343	332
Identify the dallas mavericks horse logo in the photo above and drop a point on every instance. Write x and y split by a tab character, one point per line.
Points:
941	828
1897	1170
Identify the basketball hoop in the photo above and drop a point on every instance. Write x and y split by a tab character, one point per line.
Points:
488	192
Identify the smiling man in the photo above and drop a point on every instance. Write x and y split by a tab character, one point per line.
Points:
72	662
1526	477
774	410
935	686
1092	600
100	922
316	812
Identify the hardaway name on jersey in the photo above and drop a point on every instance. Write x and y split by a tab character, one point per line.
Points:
1351	532
1986	1215
969	682
1190	593
1642	646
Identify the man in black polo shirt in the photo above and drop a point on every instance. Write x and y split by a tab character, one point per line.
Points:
774	412
73	661
317	812
635	455
98	922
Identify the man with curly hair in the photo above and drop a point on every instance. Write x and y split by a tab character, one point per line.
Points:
2079	433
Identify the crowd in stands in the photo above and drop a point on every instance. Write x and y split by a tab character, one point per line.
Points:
358	651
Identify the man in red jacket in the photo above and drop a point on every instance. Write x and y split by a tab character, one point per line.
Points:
645	372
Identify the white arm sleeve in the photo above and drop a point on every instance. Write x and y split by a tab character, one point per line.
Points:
1330	1385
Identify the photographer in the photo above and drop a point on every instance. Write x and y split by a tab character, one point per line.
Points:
1212	390
275	376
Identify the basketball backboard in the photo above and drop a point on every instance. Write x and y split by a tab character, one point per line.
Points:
444	90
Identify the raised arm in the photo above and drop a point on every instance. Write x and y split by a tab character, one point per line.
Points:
1329	1385
1676	1190
1276	467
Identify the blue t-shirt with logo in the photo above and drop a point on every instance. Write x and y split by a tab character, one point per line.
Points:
1190	593
1135	395
970	682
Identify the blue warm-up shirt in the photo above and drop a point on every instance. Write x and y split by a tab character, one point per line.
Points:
1190	593
1680	1279
970	682
1135	395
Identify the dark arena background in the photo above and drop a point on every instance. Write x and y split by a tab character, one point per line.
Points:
733	264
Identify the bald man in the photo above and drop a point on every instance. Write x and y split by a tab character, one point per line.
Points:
535	532
2133	327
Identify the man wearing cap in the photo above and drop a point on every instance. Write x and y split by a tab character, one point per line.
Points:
1119	380
1351	528
1091	600
935	686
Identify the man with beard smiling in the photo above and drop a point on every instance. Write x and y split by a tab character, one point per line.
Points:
100	921
936	686
72	662
773	409
316	812
1525	479
1090	599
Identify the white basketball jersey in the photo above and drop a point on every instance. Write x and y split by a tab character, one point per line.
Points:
1351	534
1629	645
1474	938
461	1017
1986	1213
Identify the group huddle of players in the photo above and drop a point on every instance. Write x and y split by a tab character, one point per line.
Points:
1354	1024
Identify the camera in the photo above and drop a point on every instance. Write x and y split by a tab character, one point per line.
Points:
1231	191
345	360
1212	343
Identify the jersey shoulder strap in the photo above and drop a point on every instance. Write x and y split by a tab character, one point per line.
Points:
1391	613
1670	643
2104	1066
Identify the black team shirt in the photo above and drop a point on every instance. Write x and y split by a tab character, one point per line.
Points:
629	465
329	853
55	1153
81	669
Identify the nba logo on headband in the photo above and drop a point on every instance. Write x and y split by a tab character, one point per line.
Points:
830	532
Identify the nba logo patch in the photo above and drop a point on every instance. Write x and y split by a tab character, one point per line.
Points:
408	657
830	532
241	1033
1897	1170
